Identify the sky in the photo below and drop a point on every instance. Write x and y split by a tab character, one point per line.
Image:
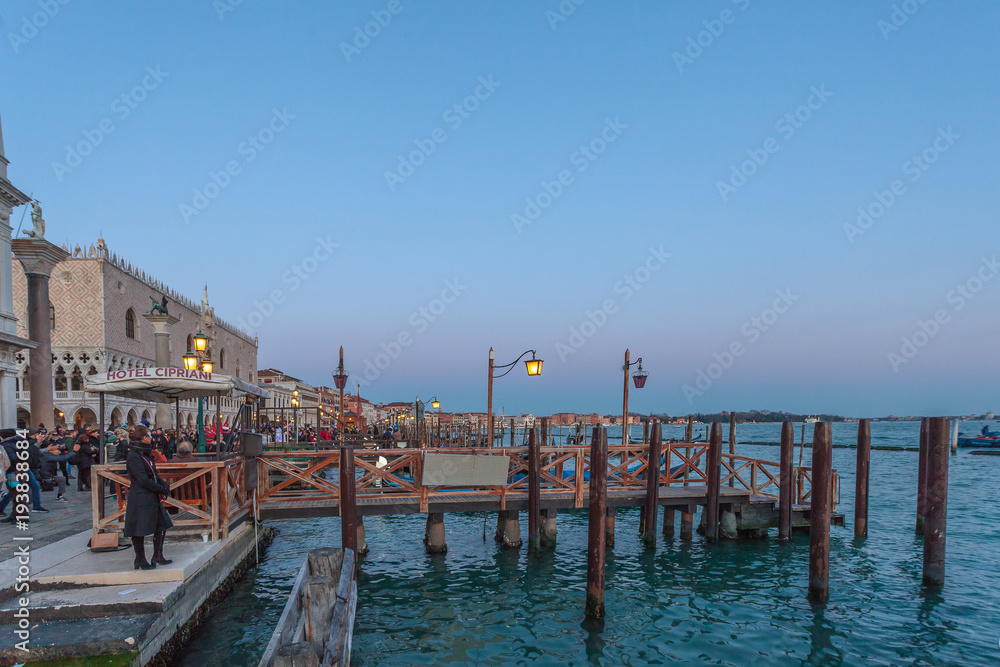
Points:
787	206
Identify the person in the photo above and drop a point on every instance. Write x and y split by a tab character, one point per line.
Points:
83	460
52	457
185	454
144	512
34	469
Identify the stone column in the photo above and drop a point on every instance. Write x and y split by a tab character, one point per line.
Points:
39	257
161	332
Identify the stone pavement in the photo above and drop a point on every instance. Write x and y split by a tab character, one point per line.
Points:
62	520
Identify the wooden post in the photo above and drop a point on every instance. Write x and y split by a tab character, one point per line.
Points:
548	528
936	501
732	444
954	435
299	654
819	513
534	491
652	485
687	524
434	534
348	509
712	473
625	402
922	476
688	434
319	594
785	482
596	518
610	514
512	432
668	521
861	484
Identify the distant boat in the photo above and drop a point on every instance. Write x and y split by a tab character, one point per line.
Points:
988	439
811	420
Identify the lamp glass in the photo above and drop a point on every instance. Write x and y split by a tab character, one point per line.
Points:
207	366
534	367
191	362
435	404
200	342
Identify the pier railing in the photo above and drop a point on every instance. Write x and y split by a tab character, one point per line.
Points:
206	497
309	475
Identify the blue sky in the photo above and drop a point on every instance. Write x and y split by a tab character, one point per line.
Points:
325	186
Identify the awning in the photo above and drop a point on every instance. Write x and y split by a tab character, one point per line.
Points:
163	385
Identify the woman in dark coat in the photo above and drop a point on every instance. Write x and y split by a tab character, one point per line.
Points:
144	513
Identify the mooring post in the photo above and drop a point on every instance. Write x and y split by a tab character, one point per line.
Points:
732	444
534	490
819	513
922	477
549	528
936	501
861	484
785	482
712	474
610	514
348	509
595	523
652	485
687	523
954	435
645	432
362	541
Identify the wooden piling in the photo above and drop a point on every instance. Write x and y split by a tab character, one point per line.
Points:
534	490
595	520
645	432
922	476
299	654
508	529
668	521
861	482
319	594
732	443
348	508
652	485
434	534
712	473
687	524
936	501
610	514
819	513
549	528
785	481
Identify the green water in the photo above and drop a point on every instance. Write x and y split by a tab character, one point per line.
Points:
734	603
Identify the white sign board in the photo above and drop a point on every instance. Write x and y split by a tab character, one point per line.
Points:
465	470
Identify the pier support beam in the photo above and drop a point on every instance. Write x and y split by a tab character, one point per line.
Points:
668	521
652	486
434	534
712	473
819	513
595	521
610	514
922	476
362	541
508	533
548	529
534	491
861	485
727	524
785	482
687	524
348	508
936	501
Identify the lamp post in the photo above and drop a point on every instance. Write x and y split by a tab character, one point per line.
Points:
340	381
533	366
192	362
639	378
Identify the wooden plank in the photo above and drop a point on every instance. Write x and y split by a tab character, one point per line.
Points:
288	622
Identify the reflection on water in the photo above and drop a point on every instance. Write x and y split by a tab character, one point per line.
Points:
734	603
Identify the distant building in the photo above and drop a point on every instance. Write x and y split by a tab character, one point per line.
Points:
97	300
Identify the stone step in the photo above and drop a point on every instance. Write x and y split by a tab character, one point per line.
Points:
92	602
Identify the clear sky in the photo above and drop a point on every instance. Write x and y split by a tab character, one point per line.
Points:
683	179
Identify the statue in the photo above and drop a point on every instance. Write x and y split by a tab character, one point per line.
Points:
159	306
38	233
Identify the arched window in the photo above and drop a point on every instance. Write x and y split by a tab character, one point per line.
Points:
60	379
52	316
222	359
76	380
26	380
237	368
190	344
92	371
130	323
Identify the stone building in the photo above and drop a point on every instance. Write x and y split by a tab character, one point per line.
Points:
97	301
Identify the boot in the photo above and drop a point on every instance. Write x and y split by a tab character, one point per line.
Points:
158	558
138	544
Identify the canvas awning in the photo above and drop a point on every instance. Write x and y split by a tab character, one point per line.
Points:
163	385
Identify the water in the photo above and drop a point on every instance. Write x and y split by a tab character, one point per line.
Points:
734	603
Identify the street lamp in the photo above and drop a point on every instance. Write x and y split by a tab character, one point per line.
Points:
534	368
639	378
340	381
192	362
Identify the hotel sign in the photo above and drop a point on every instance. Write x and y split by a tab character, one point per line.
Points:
154	373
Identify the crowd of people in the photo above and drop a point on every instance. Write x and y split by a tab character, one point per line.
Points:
278	432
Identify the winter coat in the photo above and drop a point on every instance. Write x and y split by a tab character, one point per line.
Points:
144	513
85	456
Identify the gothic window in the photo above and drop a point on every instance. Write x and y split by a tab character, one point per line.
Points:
222	360
190	344
84	357
92	371
52	316
60	379
26	381
130	323
76	380
67	357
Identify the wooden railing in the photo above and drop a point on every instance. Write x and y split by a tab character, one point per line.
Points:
302	476
205	497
